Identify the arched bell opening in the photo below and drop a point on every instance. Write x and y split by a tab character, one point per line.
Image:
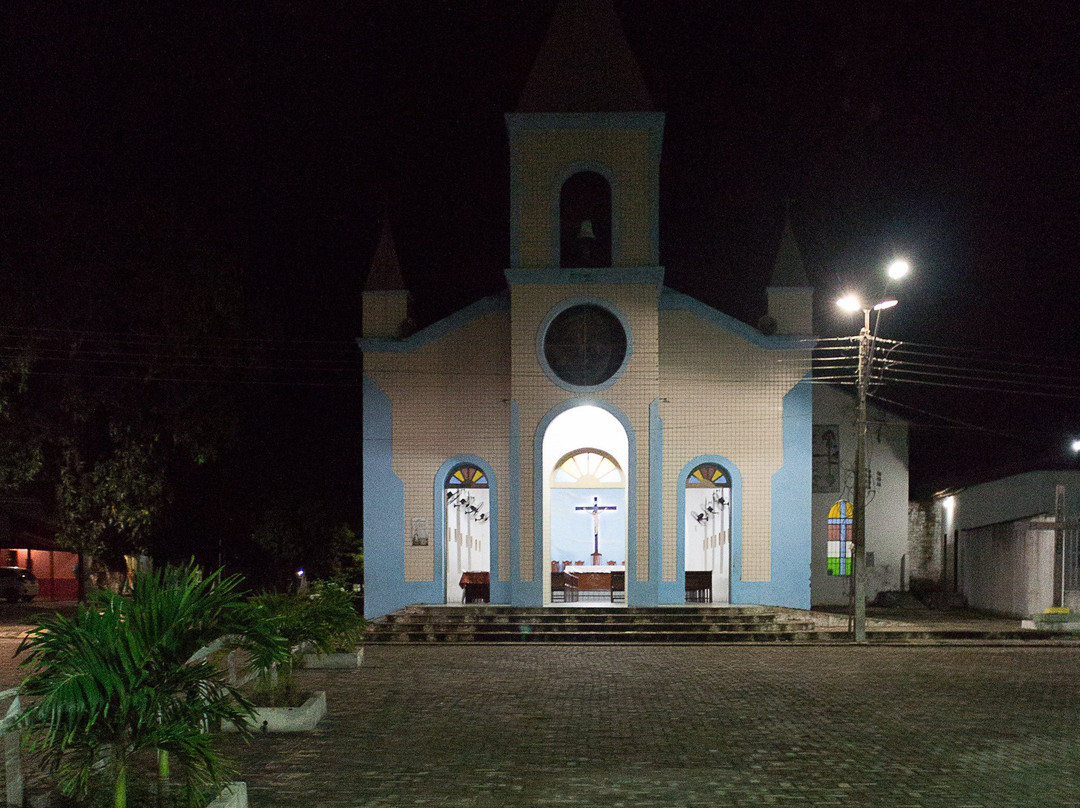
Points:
585	221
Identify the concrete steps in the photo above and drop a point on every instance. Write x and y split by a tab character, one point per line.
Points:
509	624
671	625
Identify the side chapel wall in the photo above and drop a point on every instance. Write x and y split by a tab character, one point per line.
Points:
723	395
450	397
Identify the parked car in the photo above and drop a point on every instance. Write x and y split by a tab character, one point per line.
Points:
17	584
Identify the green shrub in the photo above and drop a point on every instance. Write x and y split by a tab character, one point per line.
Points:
324	621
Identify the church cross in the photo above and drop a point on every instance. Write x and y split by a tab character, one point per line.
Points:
595	509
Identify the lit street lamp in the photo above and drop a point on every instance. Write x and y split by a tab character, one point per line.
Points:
851	303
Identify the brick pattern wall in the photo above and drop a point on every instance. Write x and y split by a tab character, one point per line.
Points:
450	397
722	395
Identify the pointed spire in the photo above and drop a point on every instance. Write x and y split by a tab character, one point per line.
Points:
385	272
788	269
585	64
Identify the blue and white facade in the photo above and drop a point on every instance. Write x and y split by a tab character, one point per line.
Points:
590	384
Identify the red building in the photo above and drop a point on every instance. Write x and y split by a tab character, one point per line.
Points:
30	543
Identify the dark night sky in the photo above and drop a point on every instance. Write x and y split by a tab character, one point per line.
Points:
274	135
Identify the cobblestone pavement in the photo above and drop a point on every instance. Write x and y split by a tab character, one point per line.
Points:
666	726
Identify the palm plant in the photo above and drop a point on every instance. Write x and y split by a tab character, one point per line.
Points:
114	682
324	622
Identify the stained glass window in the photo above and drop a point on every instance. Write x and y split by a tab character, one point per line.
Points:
840	539
587	468
466	476
708	475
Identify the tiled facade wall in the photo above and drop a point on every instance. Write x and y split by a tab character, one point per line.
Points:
536	394
450	397
722	395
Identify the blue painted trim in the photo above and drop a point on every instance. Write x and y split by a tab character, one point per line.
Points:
634	591
791	525
507	591
555	208
385	588
676	592
676	301
437	330
554	121
656	502
562	306
654	276
440	515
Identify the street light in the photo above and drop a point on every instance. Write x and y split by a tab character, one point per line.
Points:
851	303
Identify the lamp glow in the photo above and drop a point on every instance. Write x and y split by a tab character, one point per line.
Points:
898	269
1076	446
849	303
884	304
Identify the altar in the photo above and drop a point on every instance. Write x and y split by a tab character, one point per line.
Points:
589	582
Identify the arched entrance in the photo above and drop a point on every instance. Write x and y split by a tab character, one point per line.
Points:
467	504
707	532
585	509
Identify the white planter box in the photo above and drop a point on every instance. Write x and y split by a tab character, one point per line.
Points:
288	719
234	795
334	661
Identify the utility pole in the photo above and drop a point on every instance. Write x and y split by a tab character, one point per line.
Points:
859	527
851	303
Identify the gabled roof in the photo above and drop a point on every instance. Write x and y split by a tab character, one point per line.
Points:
385	272
585	64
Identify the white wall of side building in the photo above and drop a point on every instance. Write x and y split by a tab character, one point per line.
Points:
887	496
1006	567
998	558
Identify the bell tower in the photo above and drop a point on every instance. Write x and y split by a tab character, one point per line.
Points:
584	150
585	282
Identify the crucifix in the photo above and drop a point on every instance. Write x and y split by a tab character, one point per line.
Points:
595	509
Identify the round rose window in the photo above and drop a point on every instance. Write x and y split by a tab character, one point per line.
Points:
585	345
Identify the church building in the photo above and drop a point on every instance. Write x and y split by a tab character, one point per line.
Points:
609	438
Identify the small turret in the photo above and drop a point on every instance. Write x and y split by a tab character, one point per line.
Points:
386	300
790	295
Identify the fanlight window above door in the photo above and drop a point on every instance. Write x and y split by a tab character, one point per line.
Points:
587	468
467	476
708	475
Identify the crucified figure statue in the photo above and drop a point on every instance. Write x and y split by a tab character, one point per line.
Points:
595	510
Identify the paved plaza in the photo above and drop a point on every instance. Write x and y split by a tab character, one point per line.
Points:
684	726
838	725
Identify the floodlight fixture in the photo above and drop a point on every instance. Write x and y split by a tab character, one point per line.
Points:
850	303
898	269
